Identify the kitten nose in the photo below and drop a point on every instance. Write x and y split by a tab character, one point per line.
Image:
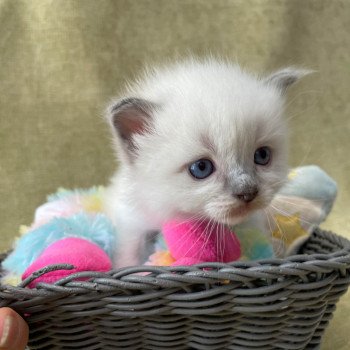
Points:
247	196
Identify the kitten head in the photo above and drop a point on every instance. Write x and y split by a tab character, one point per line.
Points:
203	139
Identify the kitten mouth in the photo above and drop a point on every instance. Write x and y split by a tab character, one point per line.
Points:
236	215
240	212
233	213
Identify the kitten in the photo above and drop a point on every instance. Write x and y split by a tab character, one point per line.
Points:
196	139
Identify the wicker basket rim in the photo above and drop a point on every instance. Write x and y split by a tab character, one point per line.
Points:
148	277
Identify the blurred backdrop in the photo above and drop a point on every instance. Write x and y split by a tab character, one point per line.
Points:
62	61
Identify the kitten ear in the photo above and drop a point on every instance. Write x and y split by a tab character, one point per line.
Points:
128	117
283	78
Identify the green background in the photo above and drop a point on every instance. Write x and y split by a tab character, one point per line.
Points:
61	61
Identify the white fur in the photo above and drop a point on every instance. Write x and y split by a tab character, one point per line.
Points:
195	100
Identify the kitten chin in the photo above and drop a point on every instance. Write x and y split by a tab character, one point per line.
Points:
199	138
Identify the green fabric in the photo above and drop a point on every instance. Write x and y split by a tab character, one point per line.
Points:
61	61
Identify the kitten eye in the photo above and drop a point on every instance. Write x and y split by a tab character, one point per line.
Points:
262	156
201	168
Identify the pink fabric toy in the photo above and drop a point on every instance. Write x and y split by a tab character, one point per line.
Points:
193	242
83	254
189	242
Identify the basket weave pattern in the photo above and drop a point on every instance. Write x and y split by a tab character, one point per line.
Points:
267	305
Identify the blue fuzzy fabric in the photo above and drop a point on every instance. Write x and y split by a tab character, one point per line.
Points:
95	228
312	183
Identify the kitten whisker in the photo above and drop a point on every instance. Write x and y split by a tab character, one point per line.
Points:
284	199
285	213
198	222
279	248
201	235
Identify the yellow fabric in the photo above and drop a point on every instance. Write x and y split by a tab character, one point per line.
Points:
61	61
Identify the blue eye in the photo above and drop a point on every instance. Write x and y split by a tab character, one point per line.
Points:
262	156
201	168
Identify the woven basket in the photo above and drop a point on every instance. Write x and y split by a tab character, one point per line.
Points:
266	305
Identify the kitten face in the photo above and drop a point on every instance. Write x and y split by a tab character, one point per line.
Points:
203	140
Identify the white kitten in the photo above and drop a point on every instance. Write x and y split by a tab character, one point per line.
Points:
200	138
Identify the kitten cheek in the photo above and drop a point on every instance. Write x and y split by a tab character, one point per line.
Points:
266	197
